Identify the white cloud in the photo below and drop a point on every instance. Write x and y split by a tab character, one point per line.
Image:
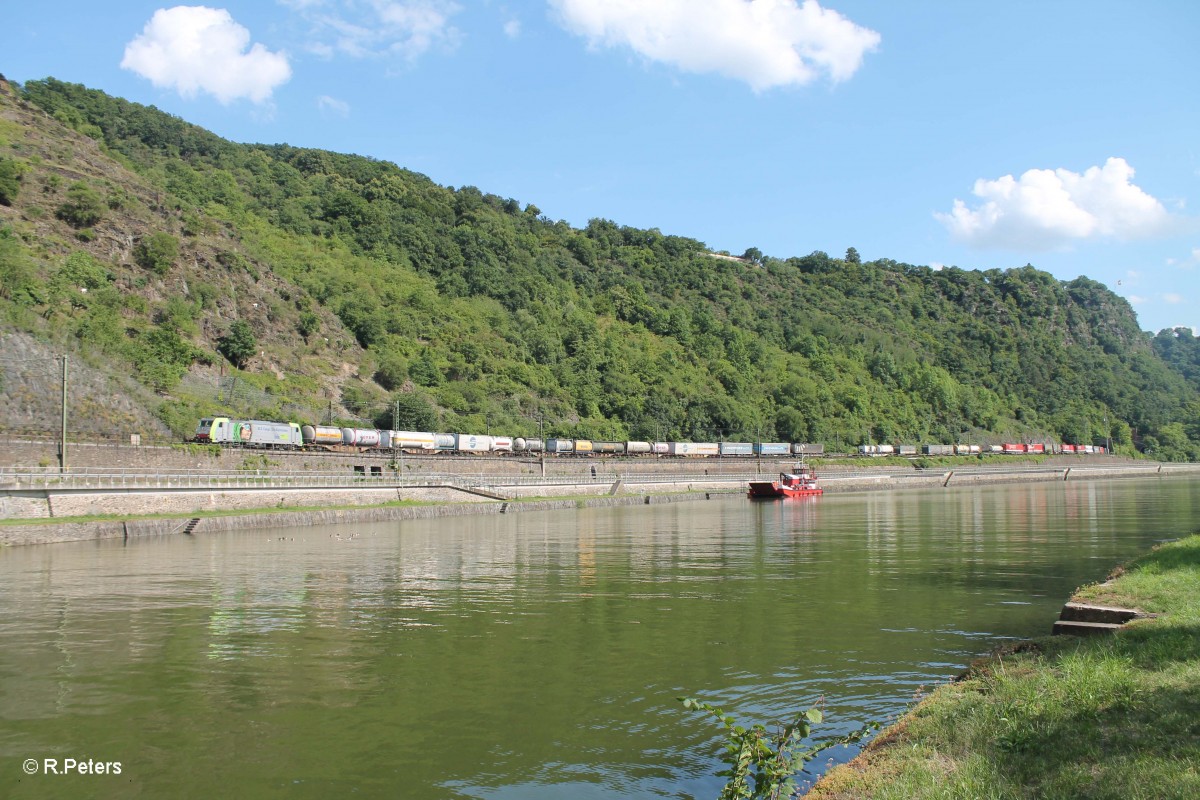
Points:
1172	298
512	28
1044	209
331	106
766	43
378	28
196	49
1136	299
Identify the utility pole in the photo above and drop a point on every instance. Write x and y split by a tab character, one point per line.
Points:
62	442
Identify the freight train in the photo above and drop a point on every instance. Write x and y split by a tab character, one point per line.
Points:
1010	449
294	436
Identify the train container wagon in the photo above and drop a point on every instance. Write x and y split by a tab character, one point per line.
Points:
472	443
967	449
361	437
523	445
1068	448
321	434
502	444
937	449
806	449
906	449
560	445
736	449
409	440
443	442
583	446
772	449
1012	448
693	449
608	448
660	448
637	448
1036	448
261	433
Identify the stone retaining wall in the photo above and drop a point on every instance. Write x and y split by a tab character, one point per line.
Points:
71	532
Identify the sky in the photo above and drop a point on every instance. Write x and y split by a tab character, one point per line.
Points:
980	135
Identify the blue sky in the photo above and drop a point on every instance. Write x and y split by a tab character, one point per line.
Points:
1060	134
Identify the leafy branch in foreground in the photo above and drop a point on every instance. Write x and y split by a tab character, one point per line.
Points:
764	764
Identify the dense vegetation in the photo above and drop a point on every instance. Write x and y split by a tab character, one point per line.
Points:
364	290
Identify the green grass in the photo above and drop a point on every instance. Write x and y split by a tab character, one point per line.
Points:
1060	717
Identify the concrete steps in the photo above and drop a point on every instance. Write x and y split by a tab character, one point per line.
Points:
1083	619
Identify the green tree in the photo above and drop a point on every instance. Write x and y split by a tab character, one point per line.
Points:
10	180
410	411
83	208
156	252
238	345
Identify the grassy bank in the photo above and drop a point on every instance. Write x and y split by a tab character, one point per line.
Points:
1061	717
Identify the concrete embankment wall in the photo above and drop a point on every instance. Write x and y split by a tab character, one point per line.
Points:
450	501
71	532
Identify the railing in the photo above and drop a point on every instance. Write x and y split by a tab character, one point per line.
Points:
181	479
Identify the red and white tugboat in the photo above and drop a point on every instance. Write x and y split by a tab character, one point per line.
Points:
801	483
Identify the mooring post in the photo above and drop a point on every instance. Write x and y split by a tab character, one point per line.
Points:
949	475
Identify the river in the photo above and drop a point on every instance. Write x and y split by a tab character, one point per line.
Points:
529	655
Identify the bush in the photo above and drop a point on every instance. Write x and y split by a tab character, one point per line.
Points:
83	208
10	180
238	345
156	252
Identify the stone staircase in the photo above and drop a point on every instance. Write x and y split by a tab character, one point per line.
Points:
1082	619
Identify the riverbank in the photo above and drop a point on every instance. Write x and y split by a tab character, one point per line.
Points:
50	531
1100	717
48	507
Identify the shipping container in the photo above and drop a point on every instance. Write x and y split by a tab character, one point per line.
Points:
736	449
804	449
660	448
637	448
444	441
411	440
937	449
1068	448
360	437
906	449
560	445
1036	448
608	448
502	444
472	443
693	449
772	449
1012	448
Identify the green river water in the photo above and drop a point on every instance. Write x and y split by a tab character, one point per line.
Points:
529	655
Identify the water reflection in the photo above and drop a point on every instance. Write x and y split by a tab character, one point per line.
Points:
534	654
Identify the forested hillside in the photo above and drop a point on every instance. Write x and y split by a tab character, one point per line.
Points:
338	286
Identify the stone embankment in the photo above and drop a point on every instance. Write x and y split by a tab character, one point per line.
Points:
133	528
233	481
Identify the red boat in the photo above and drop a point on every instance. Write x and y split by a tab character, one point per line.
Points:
802	483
